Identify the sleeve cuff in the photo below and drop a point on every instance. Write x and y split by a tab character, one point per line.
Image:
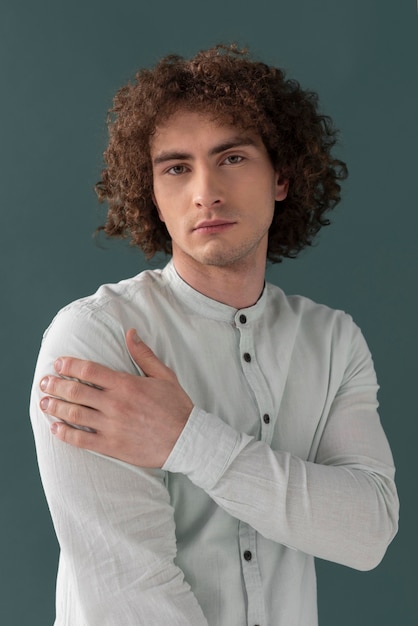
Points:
205	448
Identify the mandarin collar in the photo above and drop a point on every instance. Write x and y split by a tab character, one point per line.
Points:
207	307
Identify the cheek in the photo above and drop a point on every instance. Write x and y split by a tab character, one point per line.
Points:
160	200
160	215
168	196
156	204
168	217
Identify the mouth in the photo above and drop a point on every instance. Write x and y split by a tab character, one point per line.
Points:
213	226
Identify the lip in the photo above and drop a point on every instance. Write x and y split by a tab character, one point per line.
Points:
213	225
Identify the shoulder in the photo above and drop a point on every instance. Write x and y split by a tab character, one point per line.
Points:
304	311
325	338
94	327
317	327
107	304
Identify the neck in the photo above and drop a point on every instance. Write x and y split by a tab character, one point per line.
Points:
239	287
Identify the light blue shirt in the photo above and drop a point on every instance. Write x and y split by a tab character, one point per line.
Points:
283	459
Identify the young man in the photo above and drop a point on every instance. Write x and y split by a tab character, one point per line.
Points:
250	441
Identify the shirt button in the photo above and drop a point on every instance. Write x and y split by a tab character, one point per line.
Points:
247	555
266	418
243	319
247	357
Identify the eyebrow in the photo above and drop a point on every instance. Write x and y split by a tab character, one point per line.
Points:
175	155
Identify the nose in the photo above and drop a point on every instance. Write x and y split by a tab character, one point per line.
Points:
207	192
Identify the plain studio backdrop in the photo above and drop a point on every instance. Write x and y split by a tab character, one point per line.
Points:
60	64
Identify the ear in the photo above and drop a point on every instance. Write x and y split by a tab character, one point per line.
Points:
282	187
160	215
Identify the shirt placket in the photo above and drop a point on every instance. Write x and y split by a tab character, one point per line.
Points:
256	615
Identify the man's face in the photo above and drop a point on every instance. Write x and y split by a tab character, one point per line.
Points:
215	189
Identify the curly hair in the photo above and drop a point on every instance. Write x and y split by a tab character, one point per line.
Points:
234	89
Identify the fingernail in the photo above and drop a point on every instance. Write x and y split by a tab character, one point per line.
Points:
44	404
136	338
58	365
54	428
44	383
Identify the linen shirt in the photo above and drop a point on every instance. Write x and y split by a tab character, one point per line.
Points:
283	458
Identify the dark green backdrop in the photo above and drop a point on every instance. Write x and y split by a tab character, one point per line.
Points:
60	63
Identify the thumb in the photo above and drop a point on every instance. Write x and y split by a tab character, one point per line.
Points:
145	358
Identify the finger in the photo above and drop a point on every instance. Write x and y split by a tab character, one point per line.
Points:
75	437
73	391
87	372
145	358
74	414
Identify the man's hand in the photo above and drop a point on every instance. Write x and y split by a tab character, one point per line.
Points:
135	419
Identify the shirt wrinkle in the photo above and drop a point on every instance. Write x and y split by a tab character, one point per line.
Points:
225	534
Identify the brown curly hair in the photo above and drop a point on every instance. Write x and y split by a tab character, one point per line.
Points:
233	89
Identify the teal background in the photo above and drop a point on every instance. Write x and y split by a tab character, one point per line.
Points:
60	64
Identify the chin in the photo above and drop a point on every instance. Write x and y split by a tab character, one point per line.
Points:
222	259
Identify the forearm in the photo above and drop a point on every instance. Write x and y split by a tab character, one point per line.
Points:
344	511
340	514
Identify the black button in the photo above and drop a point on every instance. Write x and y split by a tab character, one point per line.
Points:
247	555
247	357
266	418
243	319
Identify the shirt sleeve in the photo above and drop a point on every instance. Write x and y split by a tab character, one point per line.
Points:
113	521
341	506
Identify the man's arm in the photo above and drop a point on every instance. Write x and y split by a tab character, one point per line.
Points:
344	510
113	521
135	419
342	507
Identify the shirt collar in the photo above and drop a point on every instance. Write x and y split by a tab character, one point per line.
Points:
207	307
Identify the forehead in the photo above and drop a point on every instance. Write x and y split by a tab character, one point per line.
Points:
186	128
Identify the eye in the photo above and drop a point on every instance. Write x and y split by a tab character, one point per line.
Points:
176	170
233	159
